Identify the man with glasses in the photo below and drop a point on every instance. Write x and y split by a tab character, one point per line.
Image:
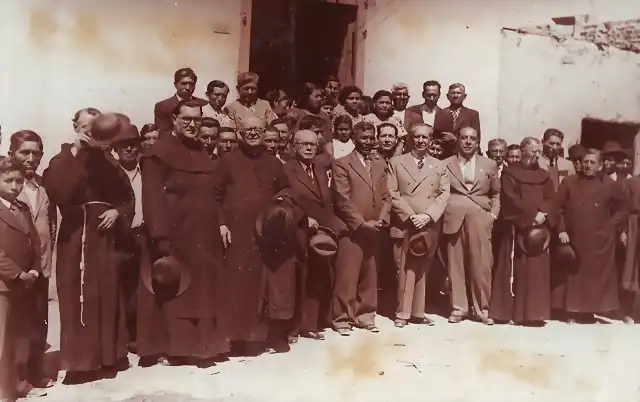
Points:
209	135
246	181
310	187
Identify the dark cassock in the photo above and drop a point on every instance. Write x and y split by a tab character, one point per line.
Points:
247	181
92	320
630	273
525	192
181	214
594	213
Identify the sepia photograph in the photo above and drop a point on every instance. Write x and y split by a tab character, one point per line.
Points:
320	200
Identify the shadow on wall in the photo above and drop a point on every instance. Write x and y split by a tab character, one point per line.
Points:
595	133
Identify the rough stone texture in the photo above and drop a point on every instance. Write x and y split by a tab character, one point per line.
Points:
447	363
549	83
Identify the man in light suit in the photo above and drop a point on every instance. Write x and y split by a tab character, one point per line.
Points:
473	207
419	188
551	160
362	201
26	148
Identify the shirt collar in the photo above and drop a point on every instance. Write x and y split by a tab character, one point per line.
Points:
5	202
133	172
461	159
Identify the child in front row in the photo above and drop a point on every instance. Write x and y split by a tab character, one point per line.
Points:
19	269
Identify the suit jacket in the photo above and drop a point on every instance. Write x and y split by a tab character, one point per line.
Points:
466	118
483	195
44	216
358	198
163	113
19	247
443	122
565	168
416	191
411	117
314	197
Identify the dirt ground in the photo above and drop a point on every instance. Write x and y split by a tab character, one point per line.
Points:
448	362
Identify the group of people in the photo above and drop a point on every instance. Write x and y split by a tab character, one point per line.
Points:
234	229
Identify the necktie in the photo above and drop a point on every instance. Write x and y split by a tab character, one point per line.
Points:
309	171
455	113
552	162
420	163
17	212
367	166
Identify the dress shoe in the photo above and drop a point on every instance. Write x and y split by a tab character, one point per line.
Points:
628	320
343	331
422	321
400	323
312	335
42	382
371	328
487	321
292	339
455	318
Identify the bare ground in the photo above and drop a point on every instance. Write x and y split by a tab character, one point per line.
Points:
448	362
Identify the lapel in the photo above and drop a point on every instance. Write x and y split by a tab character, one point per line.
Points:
10	219
356	165
323	181
303	178
479	173
454	168
410	166
42	196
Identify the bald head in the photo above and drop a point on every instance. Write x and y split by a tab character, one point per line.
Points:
306	143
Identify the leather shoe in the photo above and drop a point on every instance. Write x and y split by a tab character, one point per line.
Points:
423	321
455	318
343	331
312	335
400	323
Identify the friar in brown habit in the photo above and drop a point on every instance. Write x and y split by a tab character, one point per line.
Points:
181	215
521	288
95	201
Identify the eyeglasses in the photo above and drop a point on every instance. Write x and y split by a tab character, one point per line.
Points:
189	120
307	144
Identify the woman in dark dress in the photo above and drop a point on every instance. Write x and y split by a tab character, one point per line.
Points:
181	215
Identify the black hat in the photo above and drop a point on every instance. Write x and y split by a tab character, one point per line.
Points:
534	241
166	271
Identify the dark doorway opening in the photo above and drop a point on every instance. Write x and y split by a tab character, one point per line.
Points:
596	132
297	41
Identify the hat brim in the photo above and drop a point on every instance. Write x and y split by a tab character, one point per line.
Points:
146	276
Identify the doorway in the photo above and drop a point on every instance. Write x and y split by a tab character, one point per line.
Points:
596	132
297	41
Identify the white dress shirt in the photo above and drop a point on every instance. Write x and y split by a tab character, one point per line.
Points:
468	168
400	114
341	149
429	118
136	183
223	119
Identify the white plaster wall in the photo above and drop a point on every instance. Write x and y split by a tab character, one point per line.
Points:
459	40
118	55
558	84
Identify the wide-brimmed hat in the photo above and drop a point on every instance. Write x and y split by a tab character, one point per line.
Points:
324	242
533	241
106	127
612	148
128	133
167	272
418	244
275	224
564	254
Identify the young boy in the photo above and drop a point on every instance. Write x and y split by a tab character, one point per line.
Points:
19	269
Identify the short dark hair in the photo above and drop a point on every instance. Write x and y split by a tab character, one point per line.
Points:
184	72
305	91
513	147
362	126
310	121
342	119
216	84
431	83
22	136
346	91
380	94
8	165
91	111
552	132
331	78
387	124
191	103
210	122
330	102
279	120
272	129
147	128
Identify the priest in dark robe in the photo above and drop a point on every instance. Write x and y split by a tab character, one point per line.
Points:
247	180
181	215
594	213
95	201
521	284
630	239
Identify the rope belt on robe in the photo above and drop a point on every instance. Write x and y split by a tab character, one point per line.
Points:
84	239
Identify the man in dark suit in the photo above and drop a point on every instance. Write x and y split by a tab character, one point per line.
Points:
184	80
362	201
310	186
430	113
461	116
26	147
20	268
